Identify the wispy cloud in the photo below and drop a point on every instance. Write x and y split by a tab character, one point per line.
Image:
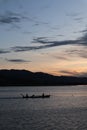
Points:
17	60
25	48
46	43
12	18
9	17
78	18
81	41
83	31
42	40
73	14
2	51
78	52
82	74
73	73
60	57
60	35
65	72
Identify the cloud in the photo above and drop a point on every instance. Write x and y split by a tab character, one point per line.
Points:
14	18
81	52
83	31
81	41
65	72
42	40
60	35
4	51
73	14
27	32
45	43
73	73
50	43
83	74
59	57
36	21
78	19
11	18
16	60
25	48
77	16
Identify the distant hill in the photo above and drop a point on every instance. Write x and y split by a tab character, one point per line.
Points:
27	78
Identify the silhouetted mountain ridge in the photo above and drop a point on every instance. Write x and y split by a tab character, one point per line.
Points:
27	78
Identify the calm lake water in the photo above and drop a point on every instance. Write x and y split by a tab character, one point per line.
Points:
66	109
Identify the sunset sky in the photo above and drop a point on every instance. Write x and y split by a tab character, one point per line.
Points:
44	36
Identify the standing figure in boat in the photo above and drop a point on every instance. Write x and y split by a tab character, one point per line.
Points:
43	95
27	95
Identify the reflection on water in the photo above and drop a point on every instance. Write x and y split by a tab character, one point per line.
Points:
66	109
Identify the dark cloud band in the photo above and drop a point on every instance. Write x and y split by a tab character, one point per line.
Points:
17	60
4	51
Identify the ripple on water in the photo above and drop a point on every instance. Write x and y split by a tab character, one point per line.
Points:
48	119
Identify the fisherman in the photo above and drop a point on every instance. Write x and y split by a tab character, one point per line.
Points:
33	96
43	95
26	95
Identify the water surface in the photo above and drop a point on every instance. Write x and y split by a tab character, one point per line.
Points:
66	109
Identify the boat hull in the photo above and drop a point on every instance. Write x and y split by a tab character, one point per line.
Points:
39	96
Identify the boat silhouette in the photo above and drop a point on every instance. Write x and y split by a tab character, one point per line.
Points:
35	96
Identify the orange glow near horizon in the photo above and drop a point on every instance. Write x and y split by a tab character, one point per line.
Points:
55	68
51	40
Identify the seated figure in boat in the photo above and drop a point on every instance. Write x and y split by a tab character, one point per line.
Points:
33	96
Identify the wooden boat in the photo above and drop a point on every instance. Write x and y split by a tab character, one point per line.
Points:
35	96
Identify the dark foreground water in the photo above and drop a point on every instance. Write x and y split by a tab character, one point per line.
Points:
66	109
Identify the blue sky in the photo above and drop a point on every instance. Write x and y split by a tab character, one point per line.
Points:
44	35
